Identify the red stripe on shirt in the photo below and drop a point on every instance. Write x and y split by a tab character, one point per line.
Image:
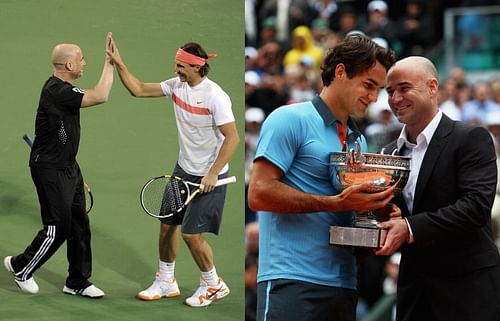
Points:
187	107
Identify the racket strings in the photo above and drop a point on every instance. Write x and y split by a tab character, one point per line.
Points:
164	196
174	196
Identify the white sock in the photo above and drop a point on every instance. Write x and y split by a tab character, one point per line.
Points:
210	277
167	270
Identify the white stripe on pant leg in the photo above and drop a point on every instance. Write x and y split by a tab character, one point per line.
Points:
51	235
268	290
51	229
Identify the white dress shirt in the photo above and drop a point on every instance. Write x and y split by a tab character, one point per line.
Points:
417	153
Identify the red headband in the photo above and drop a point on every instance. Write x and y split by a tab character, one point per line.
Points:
191	59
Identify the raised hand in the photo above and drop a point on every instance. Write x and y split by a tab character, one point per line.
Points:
109	39
112	51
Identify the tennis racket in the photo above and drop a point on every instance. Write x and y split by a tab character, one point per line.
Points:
163	196
89	198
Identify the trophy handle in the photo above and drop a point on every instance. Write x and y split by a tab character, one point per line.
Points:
355	156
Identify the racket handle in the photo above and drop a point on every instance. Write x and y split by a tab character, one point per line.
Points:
28	140
227	180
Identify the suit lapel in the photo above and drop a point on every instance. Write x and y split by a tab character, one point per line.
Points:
436	146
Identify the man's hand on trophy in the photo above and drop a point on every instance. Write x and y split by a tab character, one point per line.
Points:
397	234
361	198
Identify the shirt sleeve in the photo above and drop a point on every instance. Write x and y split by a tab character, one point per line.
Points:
70	96
222	109
168	86
410	239
279	138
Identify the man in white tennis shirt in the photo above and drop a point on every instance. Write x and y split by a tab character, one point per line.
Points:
208	138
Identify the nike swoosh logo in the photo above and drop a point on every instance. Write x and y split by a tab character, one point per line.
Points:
213	293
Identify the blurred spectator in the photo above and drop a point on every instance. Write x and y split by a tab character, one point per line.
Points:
495	90
458	74
414	29
300	87
307	67
303	91
251	266
252	80
391	279
331	40
289	15
267	32
348	21
381	42
301	13
252	239
320	32
446	90
253	120
474	111
391	270
269	8
453	106
379	25
332	10
254	117
303	45
328	11
271	93
325	9
269	59
292	75
251	55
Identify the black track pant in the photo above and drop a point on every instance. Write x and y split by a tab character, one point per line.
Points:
62	203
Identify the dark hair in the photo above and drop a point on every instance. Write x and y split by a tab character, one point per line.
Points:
197	50
358	53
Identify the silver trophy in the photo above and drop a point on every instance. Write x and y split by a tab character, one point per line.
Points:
382	170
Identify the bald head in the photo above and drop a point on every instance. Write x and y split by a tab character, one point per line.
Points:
420	65
62	53
412	85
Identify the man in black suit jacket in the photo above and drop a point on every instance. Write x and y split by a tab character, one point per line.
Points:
450	266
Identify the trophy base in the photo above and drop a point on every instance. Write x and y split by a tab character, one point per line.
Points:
368	237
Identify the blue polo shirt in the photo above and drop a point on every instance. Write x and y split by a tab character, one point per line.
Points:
298	139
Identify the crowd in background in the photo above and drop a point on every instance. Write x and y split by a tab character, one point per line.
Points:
285	43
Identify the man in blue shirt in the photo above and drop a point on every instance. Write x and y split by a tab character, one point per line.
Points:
300	276
476	111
